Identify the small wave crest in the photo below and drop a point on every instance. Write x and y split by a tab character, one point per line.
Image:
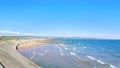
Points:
75	49
61	51
95	59
65	48
72	53
101	62
112	66
75	55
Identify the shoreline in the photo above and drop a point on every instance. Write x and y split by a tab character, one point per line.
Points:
11	58
26	46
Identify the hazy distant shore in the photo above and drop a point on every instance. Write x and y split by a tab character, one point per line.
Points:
11	58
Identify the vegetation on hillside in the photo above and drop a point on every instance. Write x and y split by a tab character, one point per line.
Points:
13	37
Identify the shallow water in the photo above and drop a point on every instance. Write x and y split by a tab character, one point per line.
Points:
80	54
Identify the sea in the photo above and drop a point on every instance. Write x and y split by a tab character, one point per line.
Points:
76	53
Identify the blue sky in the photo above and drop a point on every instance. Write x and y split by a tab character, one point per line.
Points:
69	18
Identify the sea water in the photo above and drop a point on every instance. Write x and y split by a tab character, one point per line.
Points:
76	53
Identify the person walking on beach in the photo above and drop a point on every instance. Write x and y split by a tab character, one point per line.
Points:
17	46
2	65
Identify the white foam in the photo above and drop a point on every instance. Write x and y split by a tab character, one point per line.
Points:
75	49
72	53
95	59
62	54
75	55
65	48
112	66
100	62
91	57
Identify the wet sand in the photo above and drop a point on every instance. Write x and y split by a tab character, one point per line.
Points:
11	58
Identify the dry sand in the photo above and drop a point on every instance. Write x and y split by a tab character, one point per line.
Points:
25	46
11	58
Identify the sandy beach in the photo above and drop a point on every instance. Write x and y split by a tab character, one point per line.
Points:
25	46
11	58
